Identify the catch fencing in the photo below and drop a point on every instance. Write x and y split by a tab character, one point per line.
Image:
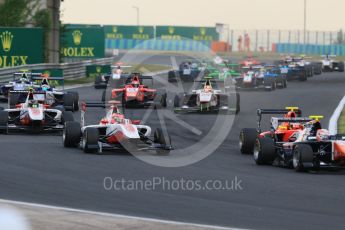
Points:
262	40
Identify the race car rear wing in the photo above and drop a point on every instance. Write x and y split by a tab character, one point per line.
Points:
104	105
58	80
275	121
29	74
261	112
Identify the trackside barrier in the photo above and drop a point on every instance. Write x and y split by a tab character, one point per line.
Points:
71	70
310	49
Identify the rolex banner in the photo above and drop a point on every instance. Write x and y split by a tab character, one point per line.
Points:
20	46
96	70
180	32
81	42
129	32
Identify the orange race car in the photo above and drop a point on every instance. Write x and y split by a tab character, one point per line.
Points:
282	128
311	148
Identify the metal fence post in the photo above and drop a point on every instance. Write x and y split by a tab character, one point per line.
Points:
279	36
256	40
289	39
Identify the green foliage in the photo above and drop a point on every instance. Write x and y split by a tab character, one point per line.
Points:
12	13
42	19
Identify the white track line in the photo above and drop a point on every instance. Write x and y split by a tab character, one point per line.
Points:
34	205
333	122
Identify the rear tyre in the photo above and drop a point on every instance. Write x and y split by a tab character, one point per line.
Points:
69	102
238	103
264	151
4	122
304	76
75	100
177	101
71	134
98	81
163	100
303	158
13	100
163	139
247	140
90	140
104	96
341	67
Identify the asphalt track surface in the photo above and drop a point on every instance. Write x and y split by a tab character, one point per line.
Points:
38	169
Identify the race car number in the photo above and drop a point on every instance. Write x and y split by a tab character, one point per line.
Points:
248	79
132	90
116	76
187	72
205	97
284	70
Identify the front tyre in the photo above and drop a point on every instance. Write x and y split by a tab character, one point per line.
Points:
90	140
164	140
71	134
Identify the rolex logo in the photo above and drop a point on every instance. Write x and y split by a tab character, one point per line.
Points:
141	29
77	37
6	40
98	69
203	31
171	30
114	29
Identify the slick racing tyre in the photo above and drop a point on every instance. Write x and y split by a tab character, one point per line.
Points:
264	151
303	158
177	101
71	134
163	140
247	140
4	122
69	102
13	100
75	100
90	140
98	81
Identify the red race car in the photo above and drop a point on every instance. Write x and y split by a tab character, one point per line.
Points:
282	129
135	94
249	61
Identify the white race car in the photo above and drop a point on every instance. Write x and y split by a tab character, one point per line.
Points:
207	99
114	132
330	64
33	115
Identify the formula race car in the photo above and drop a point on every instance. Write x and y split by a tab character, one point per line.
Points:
207	99
33	115
21	81
249	61
282	128
311	148
101	81
114	132
188	71
260	77
54	97
135	94
329	64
